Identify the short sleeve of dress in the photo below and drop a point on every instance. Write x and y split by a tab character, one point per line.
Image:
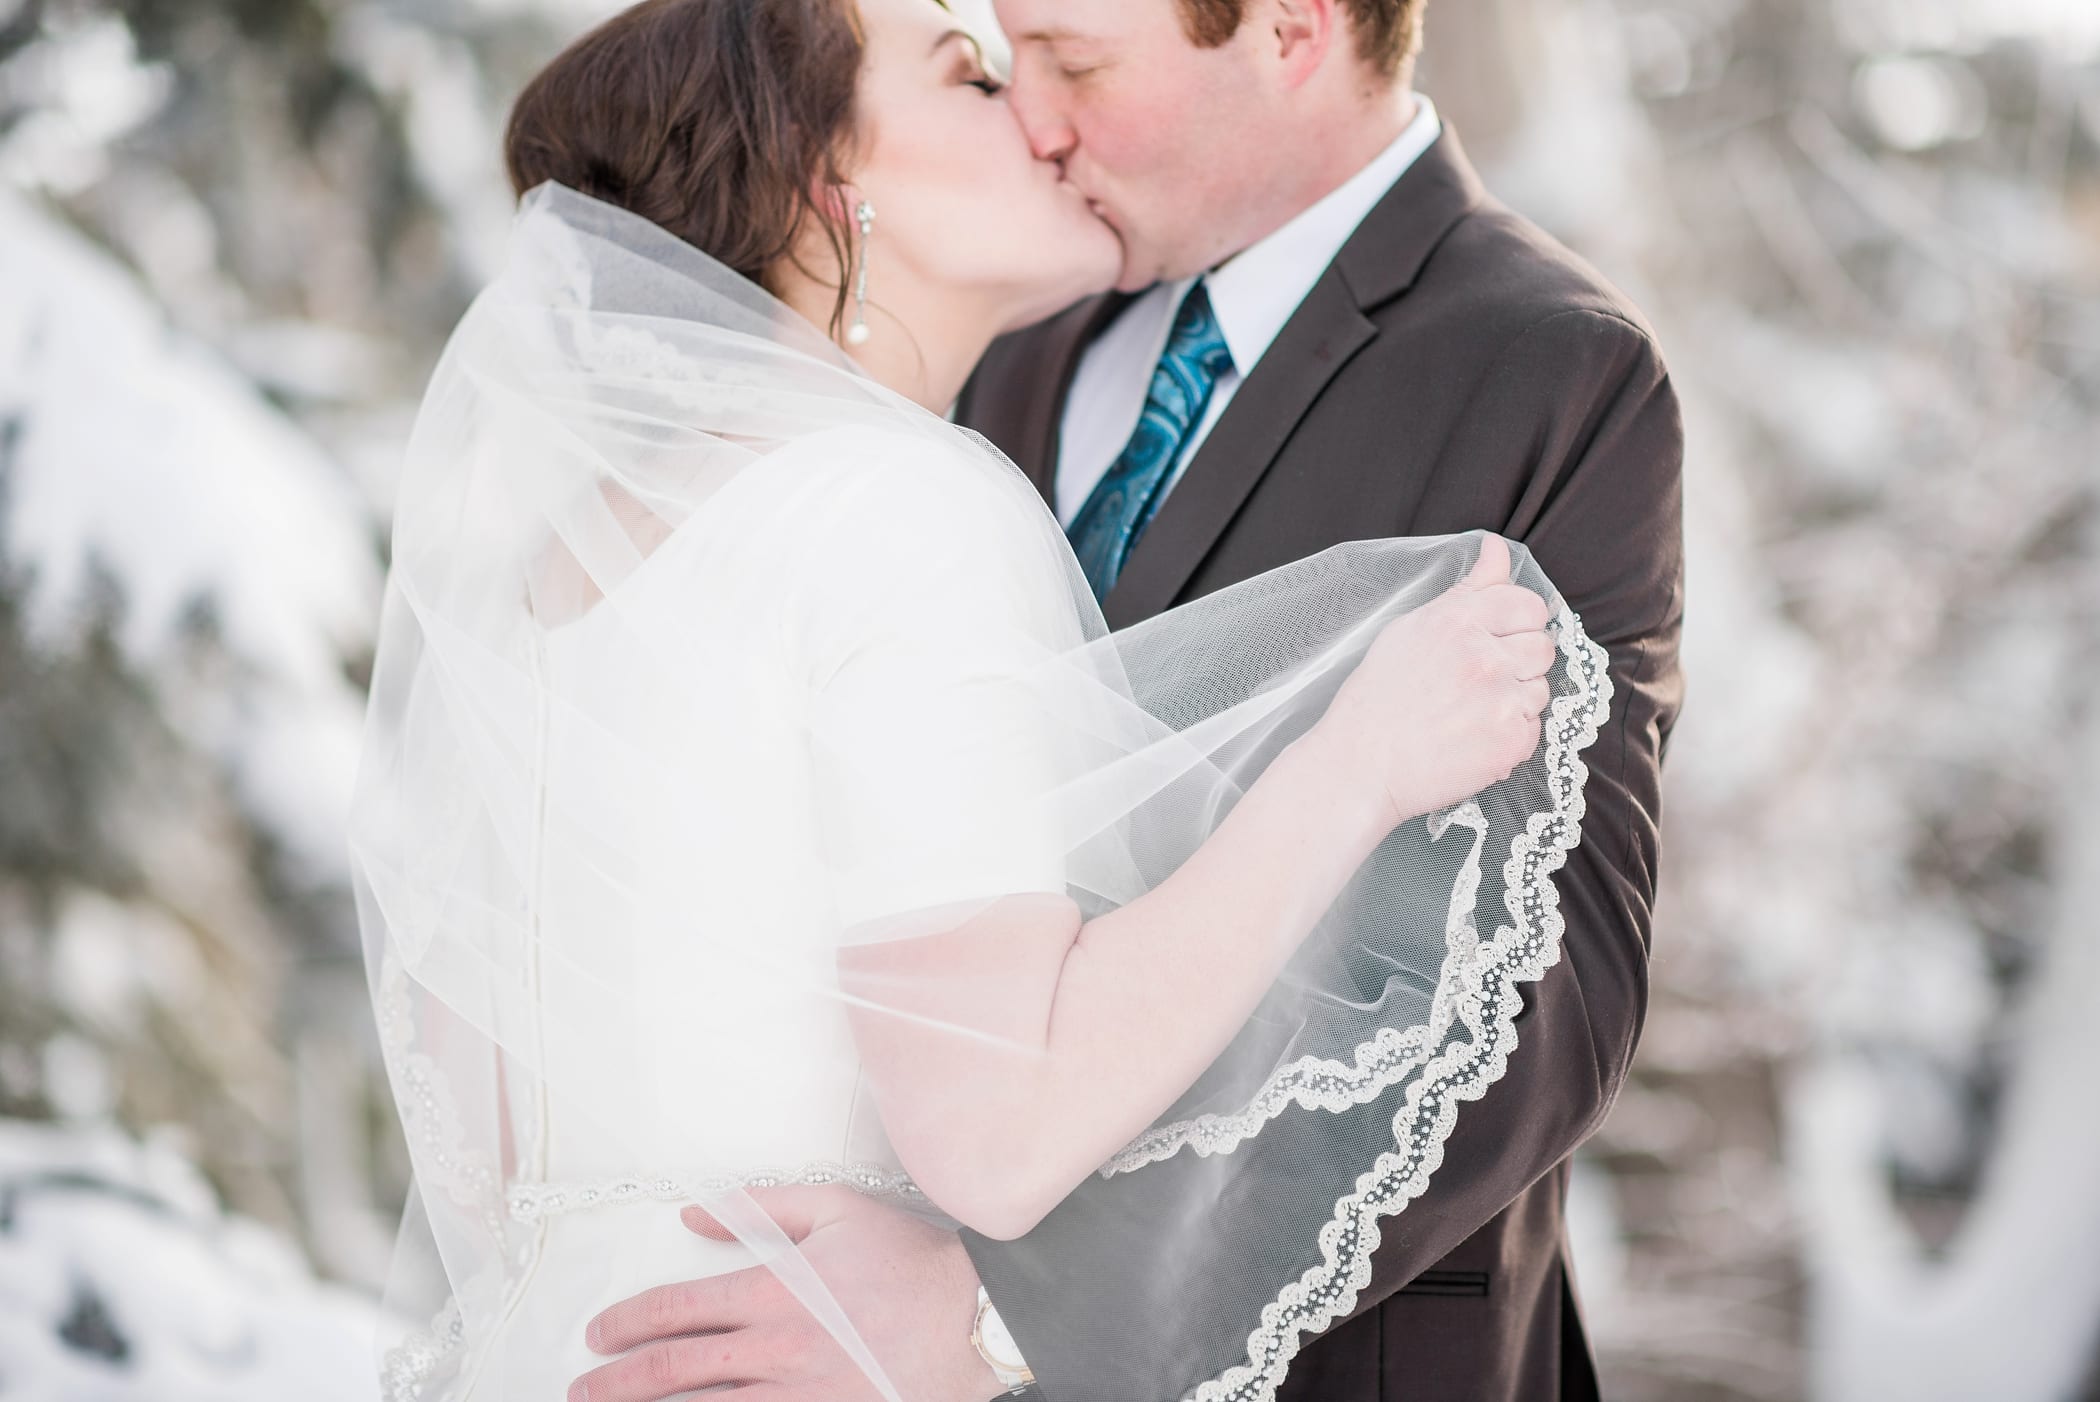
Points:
933	615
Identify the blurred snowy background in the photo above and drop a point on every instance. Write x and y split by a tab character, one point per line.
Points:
1860	1157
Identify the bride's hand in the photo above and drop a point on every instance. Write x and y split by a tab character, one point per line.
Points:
1448	698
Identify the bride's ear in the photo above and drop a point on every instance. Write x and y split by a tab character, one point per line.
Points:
835	203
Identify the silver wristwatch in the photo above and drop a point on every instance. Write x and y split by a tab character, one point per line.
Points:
996	1346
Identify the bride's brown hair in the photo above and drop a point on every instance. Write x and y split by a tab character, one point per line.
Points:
719	120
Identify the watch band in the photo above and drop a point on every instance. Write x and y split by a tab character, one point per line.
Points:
989	1336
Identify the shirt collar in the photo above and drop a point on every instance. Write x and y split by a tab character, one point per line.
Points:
1256	292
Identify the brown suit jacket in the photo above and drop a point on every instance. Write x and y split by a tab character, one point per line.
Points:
1453	369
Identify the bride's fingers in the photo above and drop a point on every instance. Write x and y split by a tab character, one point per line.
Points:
1492	567
1529	656
1510	609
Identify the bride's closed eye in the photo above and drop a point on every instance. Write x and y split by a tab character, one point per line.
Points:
975	74
970	70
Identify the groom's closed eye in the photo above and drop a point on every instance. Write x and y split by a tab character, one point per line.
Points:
1070	55
1075	63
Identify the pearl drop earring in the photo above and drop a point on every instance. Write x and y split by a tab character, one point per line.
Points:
858	333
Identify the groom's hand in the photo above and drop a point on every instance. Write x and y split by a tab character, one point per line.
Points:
908	1288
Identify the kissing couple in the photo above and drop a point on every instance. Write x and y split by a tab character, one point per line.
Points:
1017	734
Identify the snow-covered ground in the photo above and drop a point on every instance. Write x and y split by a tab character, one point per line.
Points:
121	1280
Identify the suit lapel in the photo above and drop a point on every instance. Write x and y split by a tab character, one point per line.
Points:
1060	344
1313	346
1381	260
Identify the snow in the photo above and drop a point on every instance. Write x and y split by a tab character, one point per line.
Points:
2072	27
1866	247
85	87
1856	1160
2014	1309
121	1279
139	453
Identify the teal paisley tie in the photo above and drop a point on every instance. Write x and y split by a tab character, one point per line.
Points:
1128	496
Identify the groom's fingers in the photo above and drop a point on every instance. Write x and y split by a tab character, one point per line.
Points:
707	1306
797	1211
704	1223
673	1367
717	1302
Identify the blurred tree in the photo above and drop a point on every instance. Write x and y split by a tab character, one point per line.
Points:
286	178
1869	232
1862	231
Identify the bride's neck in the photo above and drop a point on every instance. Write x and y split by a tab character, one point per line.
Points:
920	345
925	359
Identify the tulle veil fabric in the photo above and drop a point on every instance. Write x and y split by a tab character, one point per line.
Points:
705	657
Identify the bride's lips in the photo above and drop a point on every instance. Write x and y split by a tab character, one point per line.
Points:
1094	206
1068	185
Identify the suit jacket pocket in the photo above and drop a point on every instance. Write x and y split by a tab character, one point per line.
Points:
1471	1285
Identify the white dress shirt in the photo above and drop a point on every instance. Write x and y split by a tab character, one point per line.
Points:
1253	294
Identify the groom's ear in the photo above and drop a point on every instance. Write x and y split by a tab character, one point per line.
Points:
1302	33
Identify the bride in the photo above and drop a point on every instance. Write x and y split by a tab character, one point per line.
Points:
752	792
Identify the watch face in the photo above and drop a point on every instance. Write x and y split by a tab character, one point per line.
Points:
996	1345
998	1342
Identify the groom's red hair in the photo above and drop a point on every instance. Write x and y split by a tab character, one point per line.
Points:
1388	32
719	120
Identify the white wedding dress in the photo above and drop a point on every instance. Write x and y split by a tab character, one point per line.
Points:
793	849
704	658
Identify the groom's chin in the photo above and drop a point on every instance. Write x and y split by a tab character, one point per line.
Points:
1140	268
1135	277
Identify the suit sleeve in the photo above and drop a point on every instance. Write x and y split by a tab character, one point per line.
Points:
1584	399
1572	442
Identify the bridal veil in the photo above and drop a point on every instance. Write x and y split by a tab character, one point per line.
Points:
704	658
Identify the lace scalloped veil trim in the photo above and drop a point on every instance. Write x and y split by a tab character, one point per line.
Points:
1483	997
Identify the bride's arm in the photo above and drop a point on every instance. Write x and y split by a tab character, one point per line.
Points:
1015	1052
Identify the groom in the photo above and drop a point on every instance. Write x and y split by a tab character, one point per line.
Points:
1330	332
